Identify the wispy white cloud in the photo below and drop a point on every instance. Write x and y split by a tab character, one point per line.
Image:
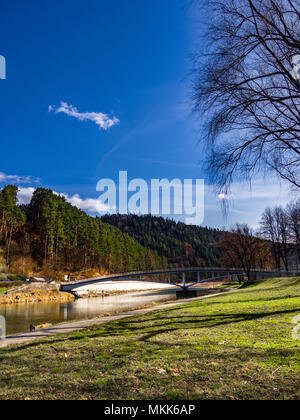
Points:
25	195
104	121
223	197
90	205
17	178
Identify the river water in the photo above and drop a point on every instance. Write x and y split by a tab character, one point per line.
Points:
19	317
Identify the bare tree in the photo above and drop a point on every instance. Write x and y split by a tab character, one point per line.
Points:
293	212
275	228
281	219
242	249
269	230
247	88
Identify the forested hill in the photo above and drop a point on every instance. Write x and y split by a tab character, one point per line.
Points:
182	245
51	234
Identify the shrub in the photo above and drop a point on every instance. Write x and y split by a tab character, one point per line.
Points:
16	277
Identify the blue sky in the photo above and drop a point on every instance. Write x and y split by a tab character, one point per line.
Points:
97	87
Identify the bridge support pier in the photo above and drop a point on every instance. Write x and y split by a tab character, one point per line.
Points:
184	280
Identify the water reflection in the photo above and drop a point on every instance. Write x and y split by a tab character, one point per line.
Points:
19	317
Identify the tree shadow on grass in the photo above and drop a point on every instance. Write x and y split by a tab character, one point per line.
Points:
208	302
32	344
194	323
131	327
189	322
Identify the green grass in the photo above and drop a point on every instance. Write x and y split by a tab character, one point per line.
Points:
6	287
9	284
235	346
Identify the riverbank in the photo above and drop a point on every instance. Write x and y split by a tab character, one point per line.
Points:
33	293
237	345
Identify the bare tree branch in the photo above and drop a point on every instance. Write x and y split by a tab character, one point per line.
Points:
247	91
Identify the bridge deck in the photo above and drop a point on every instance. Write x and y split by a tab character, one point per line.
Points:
140	274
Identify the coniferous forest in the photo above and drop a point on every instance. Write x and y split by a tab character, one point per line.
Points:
53	235
182	245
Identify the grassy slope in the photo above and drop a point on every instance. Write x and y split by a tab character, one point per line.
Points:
5	286
234	346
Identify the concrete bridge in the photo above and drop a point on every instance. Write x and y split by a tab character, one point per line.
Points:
187	275
203	275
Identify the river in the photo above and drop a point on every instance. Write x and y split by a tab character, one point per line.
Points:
19	317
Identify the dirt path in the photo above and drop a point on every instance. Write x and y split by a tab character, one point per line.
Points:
79	325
